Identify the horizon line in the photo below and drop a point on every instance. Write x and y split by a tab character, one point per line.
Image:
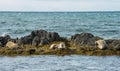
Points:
60	11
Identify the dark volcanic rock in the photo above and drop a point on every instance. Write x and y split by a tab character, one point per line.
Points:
109	41
44	41
39	33
114	43
32	51
53	36
84	39
40	37
36	41
117	47
4	40
26	40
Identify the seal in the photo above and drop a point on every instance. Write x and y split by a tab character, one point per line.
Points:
101	44
58	46
11	45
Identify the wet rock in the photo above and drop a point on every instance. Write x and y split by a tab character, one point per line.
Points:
19	42
45	37
117	47
84	39
0	44
116	44
4	40
109	41
39	33
39	37
25	40
32	51
36	41
44	41
53	36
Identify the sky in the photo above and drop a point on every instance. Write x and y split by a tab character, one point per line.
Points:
59	5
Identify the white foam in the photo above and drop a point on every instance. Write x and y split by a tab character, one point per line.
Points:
4	33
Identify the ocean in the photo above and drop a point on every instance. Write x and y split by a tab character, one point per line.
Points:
103	24
58	63
18	24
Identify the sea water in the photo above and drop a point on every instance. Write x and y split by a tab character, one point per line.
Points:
58	63
18	24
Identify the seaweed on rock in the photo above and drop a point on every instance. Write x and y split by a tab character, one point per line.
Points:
39	41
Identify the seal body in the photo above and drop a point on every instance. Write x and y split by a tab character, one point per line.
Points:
101	44
11	45
54	46
62	45
58	46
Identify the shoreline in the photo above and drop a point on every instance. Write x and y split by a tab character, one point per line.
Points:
78	44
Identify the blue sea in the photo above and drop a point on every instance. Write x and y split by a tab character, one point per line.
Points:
18	24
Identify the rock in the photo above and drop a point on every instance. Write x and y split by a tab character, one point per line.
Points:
44	41
39	37
84	39
32	51
109	41
26	40
4	40
11	45
117	47
53	36
39	33
36	41
116	44
101	44
0	44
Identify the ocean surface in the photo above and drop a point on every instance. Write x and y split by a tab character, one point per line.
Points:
58	63
18	24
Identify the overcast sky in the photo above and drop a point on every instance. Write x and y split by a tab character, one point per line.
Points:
59	5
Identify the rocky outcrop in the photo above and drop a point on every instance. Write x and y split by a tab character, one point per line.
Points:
84	39
39	37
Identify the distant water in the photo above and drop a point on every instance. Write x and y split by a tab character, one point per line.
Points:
55	63
104	24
